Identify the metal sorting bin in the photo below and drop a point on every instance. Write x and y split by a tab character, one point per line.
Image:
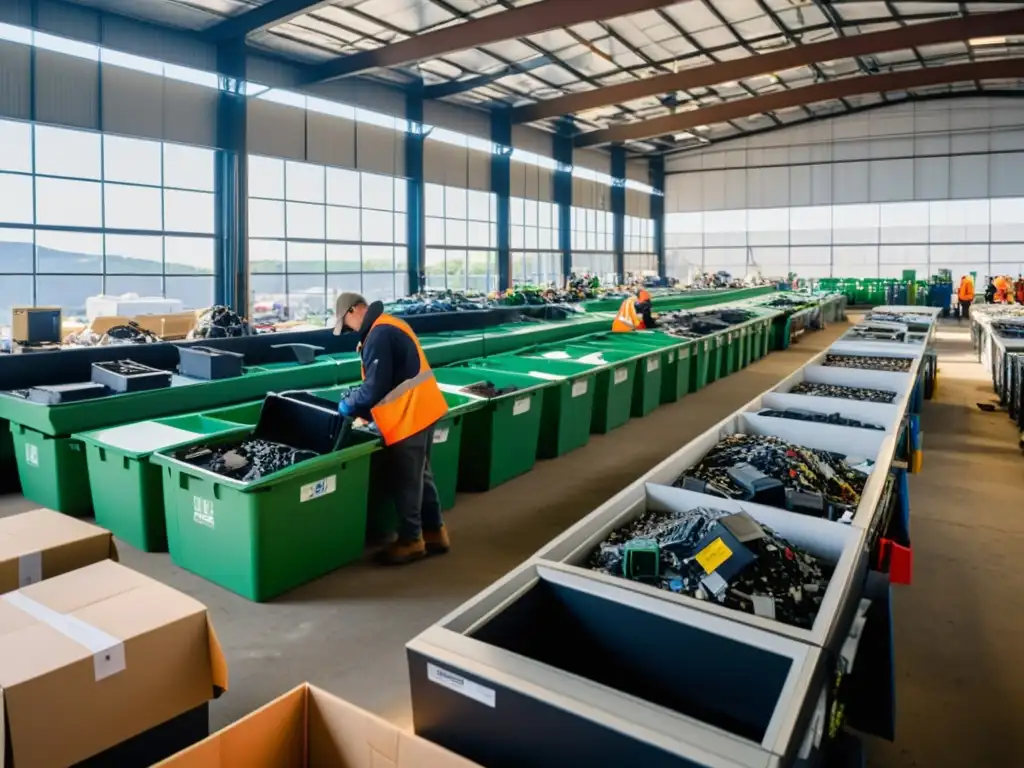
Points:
262	538
499	439
568	404
646	391
126	488
569	654
613	389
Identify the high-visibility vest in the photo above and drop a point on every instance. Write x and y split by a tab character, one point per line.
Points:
413	405
966	291
627	319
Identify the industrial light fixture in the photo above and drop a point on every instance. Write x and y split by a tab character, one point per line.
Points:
977	42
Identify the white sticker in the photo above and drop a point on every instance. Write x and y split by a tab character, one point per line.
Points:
441	435
30	569
719	341
521	406
670	357
319	488
652	364
707	345
459	684
621	374
202	511
32	454
684	353
579	388
815	730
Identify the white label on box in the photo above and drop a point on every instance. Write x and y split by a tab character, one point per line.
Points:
671	357
32	454
653	364
459	684
319	488
621	374
30	569
579	388
441	435
521	406
202	511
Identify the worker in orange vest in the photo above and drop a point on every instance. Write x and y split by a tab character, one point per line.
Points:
400	394
965	295
1019	289
1003	289
634	314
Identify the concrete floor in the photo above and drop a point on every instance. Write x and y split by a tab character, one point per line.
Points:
957	627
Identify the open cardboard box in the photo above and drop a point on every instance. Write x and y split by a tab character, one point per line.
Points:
310	727
42	544
97	657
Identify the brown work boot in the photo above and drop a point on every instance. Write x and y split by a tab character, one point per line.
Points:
437	541
401	552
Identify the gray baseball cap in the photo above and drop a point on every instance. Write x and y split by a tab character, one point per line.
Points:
342	306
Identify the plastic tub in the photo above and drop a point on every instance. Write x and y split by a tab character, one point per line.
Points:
646	395
52	470
263	538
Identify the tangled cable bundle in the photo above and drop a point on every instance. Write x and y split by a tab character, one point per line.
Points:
819	418
845	393
248	461
219	322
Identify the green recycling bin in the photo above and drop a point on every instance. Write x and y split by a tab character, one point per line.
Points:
42	461
716	352
646	396
126	488
744	341
700	363
676	357
499	439
613	388
8	463
263	538
568	403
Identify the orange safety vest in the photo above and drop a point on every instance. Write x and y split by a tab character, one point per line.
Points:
627	319
966	291
413	405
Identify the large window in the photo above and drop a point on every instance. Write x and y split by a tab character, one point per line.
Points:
84	214
534	237
863	240
592	248
317	231
639	245
461	239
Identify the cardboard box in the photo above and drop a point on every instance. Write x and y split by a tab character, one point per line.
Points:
310	728
97	656
42	544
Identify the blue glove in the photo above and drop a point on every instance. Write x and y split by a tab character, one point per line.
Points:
345	409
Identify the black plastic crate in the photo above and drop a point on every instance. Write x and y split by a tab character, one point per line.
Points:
124	376
57	394
299	422
209	364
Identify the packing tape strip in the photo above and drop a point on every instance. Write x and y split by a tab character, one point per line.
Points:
107	651
30	569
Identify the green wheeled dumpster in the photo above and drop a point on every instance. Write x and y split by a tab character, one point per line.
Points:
499	439
260	539
126	487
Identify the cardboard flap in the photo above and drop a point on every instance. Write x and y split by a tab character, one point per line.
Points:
113	554
3	731
218	664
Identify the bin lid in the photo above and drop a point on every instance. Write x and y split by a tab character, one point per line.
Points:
141	437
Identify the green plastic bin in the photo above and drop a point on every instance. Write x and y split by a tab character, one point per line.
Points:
716	351
646	396
568	402
613	388
499	439
126	488
699	361
53	471
264	538
8	462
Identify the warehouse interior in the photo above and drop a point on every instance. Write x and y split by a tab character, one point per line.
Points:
812	183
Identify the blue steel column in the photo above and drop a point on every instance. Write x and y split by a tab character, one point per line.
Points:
656	169
416	221
562	142
231	269
501	184
619	209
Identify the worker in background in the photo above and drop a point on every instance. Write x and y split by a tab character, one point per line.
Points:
965	295
634	314
400	394
1003	289
1019	289
990	291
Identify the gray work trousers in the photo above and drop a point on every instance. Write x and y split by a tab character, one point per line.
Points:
411	484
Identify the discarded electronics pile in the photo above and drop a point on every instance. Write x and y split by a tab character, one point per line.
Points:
488	389
220	322
869	362
250	460
834	419
846	393
695	325
429	302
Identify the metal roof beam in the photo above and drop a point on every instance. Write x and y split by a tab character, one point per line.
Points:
270	14
452	87
912	36
520	21
835	89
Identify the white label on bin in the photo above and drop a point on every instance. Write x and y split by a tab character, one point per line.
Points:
441	435
621	374
32	454
652	364
30	569
319	488
684	353
202	511
579	388
671	357
459	684
521	406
